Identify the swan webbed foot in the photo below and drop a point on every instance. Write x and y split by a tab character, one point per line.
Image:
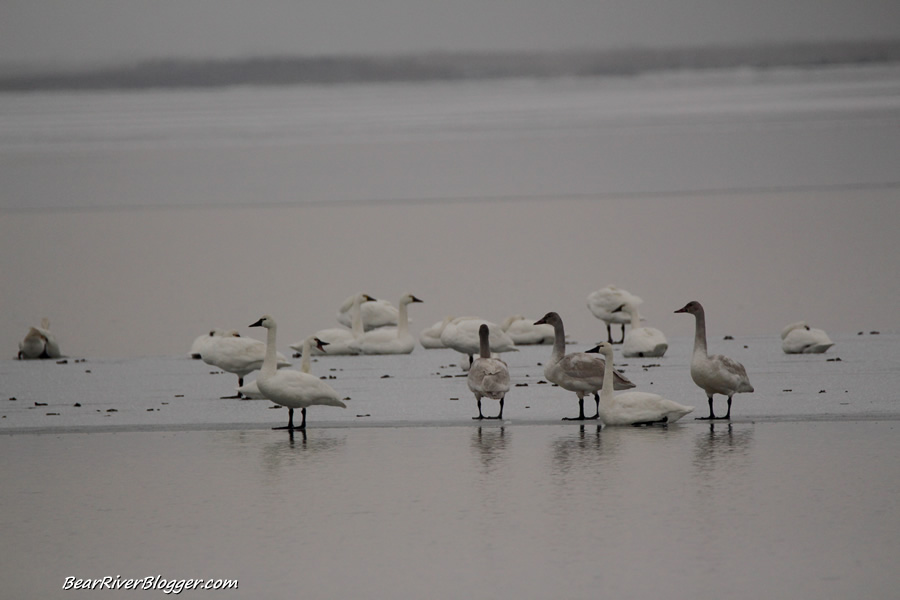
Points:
478	418
725	418
709	418
235	397
594	418
581	418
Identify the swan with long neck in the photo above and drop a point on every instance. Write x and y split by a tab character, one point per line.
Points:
238	355
390	340
800	338
579	372
342	341
250	391
488	377
642	341
633	408
714	374
293	389
608	305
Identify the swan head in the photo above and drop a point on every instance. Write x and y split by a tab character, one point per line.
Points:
265	321
604	348
693	307
320	344
551	318
408	298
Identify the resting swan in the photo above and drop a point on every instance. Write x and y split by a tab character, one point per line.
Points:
714	374
642	341
430	337
39	343
342	341
523	331
375	314
488	376
608	305
287	387
633	408
799	338
201	341
577	372
390	340
238	355
461	334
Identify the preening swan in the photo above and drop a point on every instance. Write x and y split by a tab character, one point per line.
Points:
714	374
800	338
578	372
201	340
39	343
238	355
250	391
461	334
290	388
608	305
523	331
340	340
391	340
430	337
488	377
641	340
633	408
375	313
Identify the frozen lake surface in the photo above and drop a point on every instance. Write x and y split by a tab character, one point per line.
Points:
797	498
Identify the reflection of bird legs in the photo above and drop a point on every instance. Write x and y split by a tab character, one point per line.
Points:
290	425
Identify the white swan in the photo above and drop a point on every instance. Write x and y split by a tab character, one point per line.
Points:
523	331
488	376
39	343
342	341
290	388
238	355
375	313
608	305
461	334
201	341
391	340
577	372
800	338
633	408
641	340
430	337
250	391
715	374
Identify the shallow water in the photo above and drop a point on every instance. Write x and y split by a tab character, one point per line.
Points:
783	509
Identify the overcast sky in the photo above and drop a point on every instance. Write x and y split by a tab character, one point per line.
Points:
90	31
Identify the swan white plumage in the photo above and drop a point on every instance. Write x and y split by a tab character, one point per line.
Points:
250	391
524	332
287	387
461	334
391	340
200	341
578	372
238	355
633	408
800	338
714	374
641	340
375	313
430	337
608	305
39	343
342	341
488	377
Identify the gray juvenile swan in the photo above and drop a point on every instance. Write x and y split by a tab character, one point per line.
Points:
488	377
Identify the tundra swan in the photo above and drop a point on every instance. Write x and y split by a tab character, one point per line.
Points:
608	305
578	372
391	340
523	331
461	334
287	387
488	376
642	340
250	391
375	313
341	340
238	355
39	343
633	408
430	337
800	338
714	374
201	340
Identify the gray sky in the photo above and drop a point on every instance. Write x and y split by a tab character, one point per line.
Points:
86	31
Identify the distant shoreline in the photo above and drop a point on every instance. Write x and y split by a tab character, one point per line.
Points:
319	70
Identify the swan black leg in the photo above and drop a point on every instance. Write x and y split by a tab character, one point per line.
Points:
622	341
727	416
237	396
480	415
609	333
290	425
500	416
580	416
711	413
597	400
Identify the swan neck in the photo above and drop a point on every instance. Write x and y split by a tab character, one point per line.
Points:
606	392
634	315
559	342
484	344
356	324
402	321
305	360
700	334
269	362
